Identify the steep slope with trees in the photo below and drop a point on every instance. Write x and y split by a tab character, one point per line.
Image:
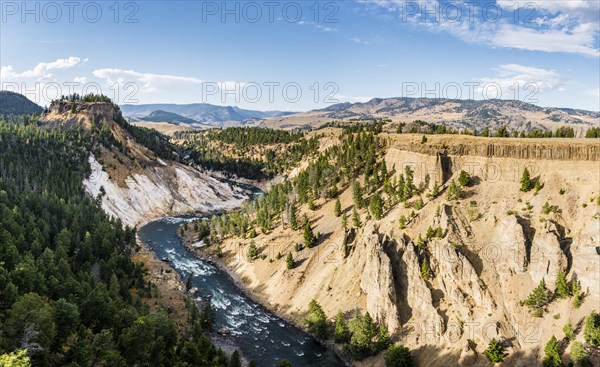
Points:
447	248
69	292
138	173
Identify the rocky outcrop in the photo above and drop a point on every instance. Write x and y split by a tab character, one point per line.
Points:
508	251
67	115
377	280
459	280
426	168
547	257
510	148
425	324
160	191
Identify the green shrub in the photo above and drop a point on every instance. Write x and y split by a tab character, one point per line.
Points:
398	355
495	352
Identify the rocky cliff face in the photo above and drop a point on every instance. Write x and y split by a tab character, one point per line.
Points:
161	190
497	245
68	115
554	149
133	183
377	280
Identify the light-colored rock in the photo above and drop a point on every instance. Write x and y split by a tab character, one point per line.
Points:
427	324
547	258
460	282
508	250
377	280
161	190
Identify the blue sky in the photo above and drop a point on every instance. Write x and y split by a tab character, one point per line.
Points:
303	55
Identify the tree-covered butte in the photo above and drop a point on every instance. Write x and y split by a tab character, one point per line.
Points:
69	292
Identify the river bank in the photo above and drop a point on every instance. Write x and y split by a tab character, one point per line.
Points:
258	333
171	295
202	254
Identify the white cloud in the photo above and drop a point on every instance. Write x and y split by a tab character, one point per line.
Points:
40	71
317	26
359	41
521	82
569	26
352	99
576	41
147	82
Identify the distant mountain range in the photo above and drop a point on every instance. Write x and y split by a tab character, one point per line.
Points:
198	112
170	117
17	104
471	114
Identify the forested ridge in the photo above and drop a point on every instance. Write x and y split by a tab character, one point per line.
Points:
70	294
253	152
338	167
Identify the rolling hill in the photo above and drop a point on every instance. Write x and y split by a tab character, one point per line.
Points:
17	104
201	112
470	114
170	117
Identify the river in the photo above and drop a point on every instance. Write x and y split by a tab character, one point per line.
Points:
259	334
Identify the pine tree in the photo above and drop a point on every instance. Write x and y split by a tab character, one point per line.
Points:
419	204
435	191
495	352
341	334
311	204
421	243
309	236
430	233
525	181
537	187
454	192
387	189
383	337
563	290
357	195
423	139
464	179
252	251
355	218
576	292
538	298
398	356
18	358
402	221
425	269
344	221
289	261
568	330
552	358
337	209
316	320
376	206
401	191
591	331
409	186
293	217
579	354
